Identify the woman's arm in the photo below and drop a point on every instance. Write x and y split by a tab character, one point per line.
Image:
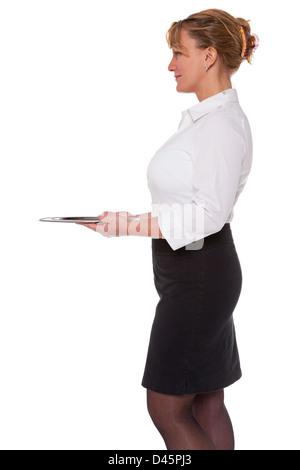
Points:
118	224
146	227
140	216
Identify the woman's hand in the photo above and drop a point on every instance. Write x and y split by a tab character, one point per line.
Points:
114	224
117	224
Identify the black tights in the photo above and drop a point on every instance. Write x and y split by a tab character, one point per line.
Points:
192	422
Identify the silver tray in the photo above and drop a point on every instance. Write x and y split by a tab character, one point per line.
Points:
77	220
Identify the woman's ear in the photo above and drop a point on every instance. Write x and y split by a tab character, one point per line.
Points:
211	55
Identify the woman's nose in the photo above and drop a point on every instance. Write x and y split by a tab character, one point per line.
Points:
172	67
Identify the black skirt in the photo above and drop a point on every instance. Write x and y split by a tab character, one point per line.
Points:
193	346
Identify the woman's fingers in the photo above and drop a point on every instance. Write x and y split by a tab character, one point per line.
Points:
103	215
111	224
102	229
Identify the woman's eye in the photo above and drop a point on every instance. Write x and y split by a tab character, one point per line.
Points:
176	53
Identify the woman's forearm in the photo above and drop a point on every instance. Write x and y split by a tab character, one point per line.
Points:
146	227
146	215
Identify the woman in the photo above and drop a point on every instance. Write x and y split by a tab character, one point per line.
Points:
195	179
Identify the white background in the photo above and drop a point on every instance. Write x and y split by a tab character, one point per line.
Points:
86	99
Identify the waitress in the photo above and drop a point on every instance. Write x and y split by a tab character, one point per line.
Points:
195	179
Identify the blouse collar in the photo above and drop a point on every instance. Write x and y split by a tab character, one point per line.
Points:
213	102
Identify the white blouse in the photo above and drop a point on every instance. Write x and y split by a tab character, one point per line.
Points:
196	177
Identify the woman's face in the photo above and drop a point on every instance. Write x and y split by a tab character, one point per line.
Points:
189	70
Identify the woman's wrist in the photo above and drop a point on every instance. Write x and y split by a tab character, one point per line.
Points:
143	216
146	227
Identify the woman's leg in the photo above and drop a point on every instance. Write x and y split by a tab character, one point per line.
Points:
210	412
174	419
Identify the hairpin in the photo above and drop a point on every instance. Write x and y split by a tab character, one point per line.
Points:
244	41
256	43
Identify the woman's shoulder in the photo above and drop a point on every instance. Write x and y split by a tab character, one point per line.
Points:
229	116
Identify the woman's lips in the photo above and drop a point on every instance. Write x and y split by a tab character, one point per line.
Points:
177	76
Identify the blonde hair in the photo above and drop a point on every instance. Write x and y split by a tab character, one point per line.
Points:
218	29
